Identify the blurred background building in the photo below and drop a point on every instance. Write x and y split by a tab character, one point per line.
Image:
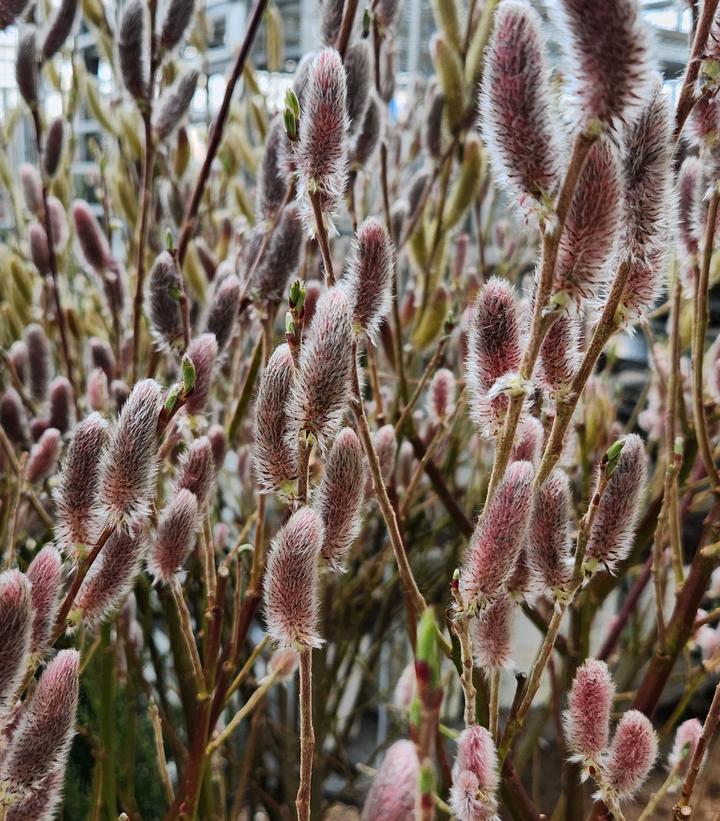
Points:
670	20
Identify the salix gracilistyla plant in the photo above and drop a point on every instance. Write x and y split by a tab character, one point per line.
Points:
274	459
321	388
588	242
163	300
368	279
175	527
548	542
393	791
496	543
76	493
44	574
609	58
321	149
340	496
16	623
614	523
41	741
291	596
587	720
110	578
199	465
129	461
175	536
516	116
475	776
493	352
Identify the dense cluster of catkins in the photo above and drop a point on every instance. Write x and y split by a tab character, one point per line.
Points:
328	391
619	765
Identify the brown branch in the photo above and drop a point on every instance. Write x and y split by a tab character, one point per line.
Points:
190	218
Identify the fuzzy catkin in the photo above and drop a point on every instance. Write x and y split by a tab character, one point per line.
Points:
31	187
38	361
491	635
587	719
26	68
274	460
497	540
177	18
647	171
475	776
175	536
281	259
43	456
321	148
358	70
16	620
320	392
528	441
560	355
368	136
44	575
441	396
368	278
631	755
131	49
224	310
291	588
19	356
339	497
549	544
174	104
202	351
13	418
39	250
54	142
517	125
91	239
609	57
589	239
613	527
197	469
687	736
129	463
162	301
493	350
272	184
110	578
392	794
60	27
43	736
76	493
61	405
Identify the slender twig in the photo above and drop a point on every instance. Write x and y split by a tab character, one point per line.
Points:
415	598
698	345
322	238
241	714
307	736
687	94
348	18
191	213
709	728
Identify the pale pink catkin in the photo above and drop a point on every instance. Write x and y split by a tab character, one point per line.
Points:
291	586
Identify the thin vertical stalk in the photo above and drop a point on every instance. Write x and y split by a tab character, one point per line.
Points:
322	238
307	736
108	724
698	342
709	729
